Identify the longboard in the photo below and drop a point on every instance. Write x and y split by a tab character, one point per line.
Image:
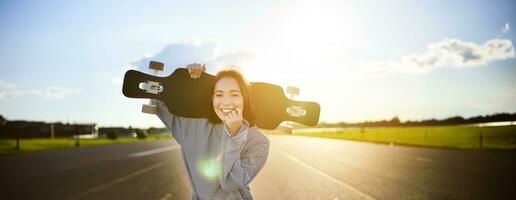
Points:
187	97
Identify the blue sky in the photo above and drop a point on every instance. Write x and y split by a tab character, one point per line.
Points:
361	60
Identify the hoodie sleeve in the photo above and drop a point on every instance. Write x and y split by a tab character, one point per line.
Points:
177	125
241	166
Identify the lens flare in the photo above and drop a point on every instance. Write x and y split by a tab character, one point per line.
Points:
210	168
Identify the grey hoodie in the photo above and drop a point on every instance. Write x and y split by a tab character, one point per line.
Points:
219	166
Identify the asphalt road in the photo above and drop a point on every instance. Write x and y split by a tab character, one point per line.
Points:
297	168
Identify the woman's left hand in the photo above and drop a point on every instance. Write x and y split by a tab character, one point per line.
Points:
195	70
234	121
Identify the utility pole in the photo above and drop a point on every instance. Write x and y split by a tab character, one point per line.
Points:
77	141
17	141
52	131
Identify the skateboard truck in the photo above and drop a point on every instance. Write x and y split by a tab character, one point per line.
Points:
296	111
152	87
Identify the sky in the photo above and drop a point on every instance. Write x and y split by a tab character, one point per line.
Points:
64	61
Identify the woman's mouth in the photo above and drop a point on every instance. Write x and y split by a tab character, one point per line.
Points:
226	110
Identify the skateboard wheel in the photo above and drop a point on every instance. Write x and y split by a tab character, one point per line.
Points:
158	66
149	109
292	90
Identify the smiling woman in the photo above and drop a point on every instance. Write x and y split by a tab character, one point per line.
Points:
231	96
224	153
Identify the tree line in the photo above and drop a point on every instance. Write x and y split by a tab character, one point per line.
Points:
456	120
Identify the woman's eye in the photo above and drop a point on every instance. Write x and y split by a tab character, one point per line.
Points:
218	95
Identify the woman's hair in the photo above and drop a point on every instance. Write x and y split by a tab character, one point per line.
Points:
245	89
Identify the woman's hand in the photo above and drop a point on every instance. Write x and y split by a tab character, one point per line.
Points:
195	70
234	121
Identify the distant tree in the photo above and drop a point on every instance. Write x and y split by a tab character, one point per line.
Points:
151	130
141	134
452	120
112	135
395	121
497	117
2	120
501	117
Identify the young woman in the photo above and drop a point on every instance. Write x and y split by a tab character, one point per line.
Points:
222	153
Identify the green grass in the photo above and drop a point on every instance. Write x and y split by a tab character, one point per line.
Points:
464	137
31	145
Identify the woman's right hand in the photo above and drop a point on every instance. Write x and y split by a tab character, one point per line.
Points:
195	70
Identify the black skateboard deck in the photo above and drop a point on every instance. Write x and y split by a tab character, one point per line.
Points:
187	97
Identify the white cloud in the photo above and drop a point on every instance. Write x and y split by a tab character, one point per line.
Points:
54	92
176	55
6	85
9	90
506	28
241	59
10	94
116	80
449	52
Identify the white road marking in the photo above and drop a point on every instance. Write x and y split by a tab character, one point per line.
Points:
334	180
423	159
154	151
166	197
121	179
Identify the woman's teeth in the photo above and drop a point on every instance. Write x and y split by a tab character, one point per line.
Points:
227	110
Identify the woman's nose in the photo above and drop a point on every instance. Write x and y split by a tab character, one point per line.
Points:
223	101
227	102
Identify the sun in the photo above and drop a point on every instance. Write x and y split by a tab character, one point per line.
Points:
305	36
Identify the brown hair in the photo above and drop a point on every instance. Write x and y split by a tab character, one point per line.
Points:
245	89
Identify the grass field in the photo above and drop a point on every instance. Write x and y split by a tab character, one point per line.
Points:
464	137
30	145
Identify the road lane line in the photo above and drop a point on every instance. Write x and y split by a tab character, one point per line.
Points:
154	151
366	196
166	197
121	179
423	159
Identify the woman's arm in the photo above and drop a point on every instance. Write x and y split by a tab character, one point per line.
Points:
241	166
177	125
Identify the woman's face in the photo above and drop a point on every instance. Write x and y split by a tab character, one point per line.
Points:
227	97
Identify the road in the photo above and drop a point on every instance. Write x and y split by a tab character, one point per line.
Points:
297	168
